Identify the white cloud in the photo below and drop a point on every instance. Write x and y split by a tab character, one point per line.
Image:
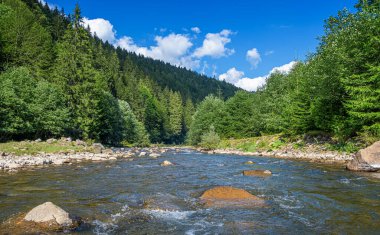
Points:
214	45
251	84
231	76
173	49
196	30
284	68
253	57
237	78
102	28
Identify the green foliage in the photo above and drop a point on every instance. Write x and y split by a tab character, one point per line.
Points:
134	132
239	112
210	140
29	107
25	42
210	112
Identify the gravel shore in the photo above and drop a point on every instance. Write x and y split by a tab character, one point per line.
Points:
312	156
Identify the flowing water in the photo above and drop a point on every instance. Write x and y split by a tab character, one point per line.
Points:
141	197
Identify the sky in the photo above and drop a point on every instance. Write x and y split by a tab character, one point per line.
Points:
240	41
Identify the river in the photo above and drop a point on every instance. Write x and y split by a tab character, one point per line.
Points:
141	197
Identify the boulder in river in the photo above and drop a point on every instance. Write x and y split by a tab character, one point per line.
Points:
142	154
154	155
49	212
46	218
249	163
166	163
225	196
367	159
262	173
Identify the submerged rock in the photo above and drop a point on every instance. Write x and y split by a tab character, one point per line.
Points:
225	196
262	173
49	212
367	159
166	163
249	163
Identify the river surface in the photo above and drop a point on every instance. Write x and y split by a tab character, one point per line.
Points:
141	197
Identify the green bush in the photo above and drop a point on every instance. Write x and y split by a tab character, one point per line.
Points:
210	140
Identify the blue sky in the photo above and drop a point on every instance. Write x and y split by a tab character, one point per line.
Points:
239	41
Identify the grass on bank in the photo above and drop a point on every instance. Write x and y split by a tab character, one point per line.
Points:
269	143
32	147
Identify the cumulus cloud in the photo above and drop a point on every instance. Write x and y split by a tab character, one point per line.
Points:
231	76
172	49
102	28
237	77
214	45
251	84
253	57
284	68
196	30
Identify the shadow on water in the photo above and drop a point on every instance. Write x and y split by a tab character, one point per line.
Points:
140	197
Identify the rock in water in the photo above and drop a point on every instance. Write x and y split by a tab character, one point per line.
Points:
367	159
49	212
154	155
249	163
166	163
262	173
224	196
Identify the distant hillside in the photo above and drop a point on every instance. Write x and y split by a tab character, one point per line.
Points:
187	82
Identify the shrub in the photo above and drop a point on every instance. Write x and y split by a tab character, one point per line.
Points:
210	140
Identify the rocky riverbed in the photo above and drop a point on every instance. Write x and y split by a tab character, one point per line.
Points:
308	155
193	196
98	153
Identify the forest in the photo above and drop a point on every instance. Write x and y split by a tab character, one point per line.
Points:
335	91
56	79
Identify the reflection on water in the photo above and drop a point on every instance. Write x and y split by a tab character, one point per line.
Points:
140	197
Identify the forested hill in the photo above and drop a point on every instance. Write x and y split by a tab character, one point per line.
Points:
187	82
57	79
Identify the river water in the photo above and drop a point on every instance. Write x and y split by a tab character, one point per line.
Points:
141	197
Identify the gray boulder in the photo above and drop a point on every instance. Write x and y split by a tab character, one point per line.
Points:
49	212
98	148
80	143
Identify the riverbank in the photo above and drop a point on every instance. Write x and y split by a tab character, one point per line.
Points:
313	148
18	155
329	157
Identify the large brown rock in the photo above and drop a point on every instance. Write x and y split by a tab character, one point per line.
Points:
367	159
261	173
224	196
